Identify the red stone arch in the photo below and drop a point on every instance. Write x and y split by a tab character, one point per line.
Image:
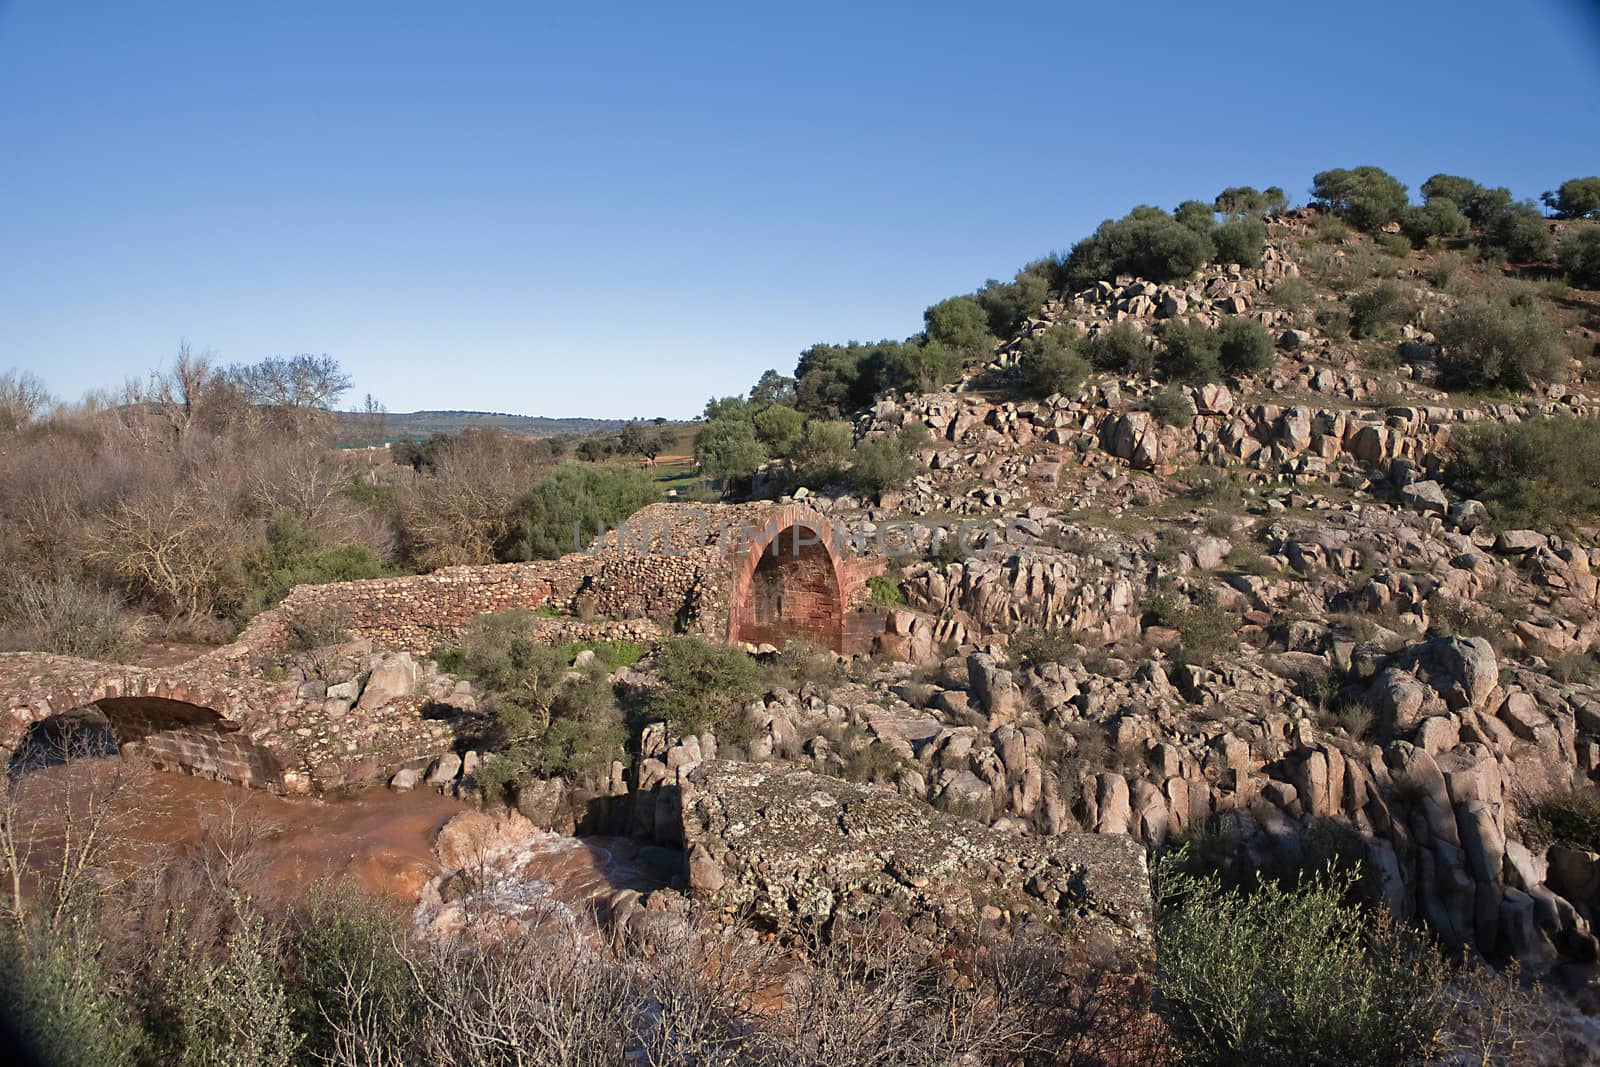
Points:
790	579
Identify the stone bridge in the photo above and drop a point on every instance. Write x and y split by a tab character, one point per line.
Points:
754	574
194	716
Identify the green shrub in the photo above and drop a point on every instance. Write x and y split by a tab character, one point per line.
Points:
728	451
704	684
1536	472
1490	344
1121	349
882	590
295	555
829	379
1442	270
518	675
1245	200
1580	257
1204	628
573	501
1051	363
1010	304
962	324
778	428
1578	198
1244	345
824	449
350	972
922	365
1291	293
1147	243
1366	197
1033	647
1518	233
1171	407
1565	817
1438	219
230	1009
60	999
1191	352
1463	193
1296	976
1379	311
586	731
887	461
1240	240
1329	229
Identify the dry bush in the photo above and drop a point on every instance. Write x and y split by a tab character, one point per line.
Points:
67	616
466	506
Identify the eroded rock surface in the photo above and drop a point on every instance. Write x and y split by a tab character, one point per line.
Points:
789	847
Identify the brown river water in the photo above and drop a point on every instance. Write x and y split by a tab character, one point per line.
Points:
381	841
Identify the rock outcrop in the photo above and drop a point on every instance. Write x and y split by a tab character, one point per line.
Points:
789	847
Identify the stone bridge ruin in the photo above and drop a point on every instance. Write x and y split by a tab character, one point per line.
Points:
752	574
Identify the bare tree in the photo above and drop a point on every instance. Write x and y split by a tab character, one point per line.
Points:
22	397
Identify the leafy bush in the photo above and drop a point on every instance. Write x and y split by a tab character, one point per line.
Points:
1366	197
962	324
294	555
728	451
1439	218
1191	351
1538	471
1033	647
1450	188
1377	312
882	589
1244	345
577	499
704	684
824	449
1580	257
1245	200
1147	243
778	428
1204	628
1578	198
1489	344
1051	363
1565	817
1009	304
1240	240
519	675
1171	407
1121	349
1518	233
1292	976
887	461
585	733
922	365
1292	293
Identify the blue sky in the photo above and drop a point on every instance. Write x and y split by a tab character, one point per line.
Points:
624	209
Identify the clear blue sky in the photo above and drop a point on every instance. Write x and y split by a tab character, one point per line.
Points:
622	210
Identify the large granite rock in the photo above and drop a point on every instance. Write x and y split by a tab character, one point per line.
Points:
787	846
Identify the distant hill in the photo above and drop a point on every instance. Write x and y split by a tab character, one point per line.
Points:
355	427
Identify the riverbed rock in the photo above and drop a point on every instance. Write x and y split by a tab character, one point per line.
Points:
791	847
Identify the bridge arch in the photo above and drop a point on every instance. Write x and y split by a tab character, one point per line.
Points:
174	723
791	580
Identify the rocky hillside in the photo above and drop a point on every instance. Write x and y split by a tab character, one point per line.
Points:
1264	612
